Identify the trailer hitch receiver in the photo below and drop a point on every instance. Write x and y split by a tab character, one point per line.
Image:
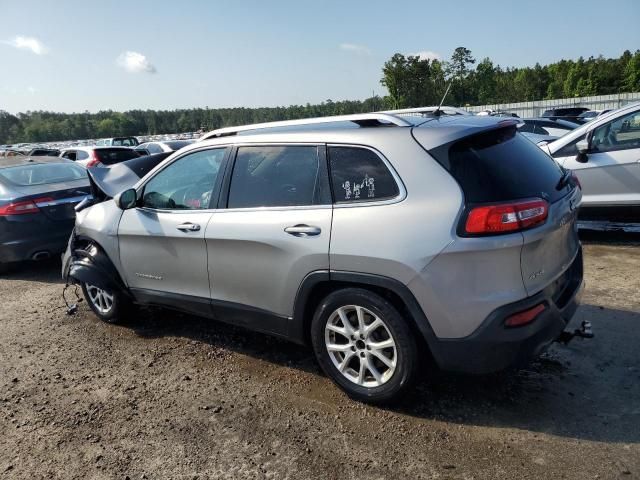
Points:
583	332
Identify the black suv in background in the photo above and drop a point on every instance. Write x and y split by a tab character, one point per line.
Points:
571	114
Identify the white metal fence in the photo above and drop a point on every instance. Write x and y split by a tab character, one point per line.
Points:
535	108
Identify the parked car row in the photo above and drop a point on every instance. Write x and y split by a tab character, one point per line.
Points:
132	142
545	129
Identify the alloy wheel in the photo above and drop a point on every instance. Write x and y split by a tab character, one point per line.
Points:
361	346
101	299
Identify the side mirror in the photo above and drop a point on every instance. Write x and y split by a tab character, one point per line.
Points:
127	199
583	149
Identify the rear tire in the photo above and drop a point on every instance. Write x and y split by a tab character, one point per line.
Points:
110	306
364	345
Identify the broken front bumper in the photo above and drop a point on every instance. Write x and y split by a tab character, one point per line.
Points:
86	262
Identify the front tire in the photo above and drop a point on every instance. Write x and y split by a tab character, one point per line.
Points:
364	345
109	306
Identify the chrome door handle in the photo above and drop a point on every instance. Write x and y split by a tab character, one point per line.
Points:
188	227
303	231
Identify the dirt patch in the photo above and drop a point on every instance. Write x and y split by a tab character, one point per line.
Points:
173	396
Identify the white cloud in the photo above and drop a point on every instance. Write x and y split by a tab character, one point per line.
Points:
357	49
28	43
32	90
135	62
427	55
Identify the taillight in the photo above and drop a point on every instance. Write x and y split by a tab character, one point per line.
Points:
506	217
525	317
94	159
23	207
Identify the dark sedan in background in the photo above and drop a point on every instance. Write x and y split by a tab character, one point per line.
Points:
37	200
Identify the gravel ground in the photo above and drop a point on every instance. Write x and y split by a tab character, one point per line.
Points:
172	396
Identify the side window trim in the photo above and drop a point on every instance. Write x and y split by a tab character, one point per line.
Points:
402	191
213	202
323	171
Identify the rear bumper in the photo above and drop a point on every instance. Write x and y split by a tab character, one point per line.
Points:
26	240
494	347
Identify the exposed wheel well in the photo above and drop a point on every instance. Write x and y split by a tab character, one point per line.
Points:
91	264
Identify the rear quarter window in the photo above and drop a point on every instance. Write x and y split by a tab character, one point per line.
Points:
500	165
360	175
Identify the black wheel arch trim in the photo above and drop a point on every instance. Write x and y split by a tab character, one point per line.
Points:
92	265
298	327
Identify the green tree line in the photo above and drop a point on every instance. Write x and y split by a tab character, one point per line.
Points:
410	81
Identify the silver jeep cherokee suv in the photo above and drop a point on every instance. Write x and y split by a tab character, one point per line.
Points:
374	238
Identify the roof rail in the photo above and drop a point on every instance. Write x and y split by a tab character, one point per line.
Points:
418	110
362	119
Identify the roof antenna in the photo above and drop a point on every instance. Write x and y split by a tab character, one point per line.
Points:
437	112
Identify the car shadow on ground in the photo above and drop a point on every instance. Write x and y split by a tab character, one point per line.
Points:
610	238
43	271
587	390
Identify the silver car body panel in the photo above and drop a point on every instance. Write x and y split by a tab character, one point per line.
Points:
468	280
156	255
549	249
253	261
244	256
100	224
401	238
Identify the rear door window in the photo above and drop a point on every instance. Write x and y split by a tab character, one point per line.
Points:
501	165
275	176
360	175
69	154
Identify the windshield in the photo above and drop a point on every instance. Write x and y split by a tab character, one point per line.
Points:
43	173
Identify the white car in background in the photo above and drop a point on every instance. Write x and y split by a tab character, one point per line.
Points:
98	156
605	155
592	114
149	148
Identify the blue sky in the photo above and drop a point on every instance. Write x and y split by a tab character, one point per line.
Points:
70	55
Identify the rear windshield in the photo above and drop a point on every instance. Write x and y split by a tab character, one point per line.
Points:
501	165
125	141
109	156
44	153
43	173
